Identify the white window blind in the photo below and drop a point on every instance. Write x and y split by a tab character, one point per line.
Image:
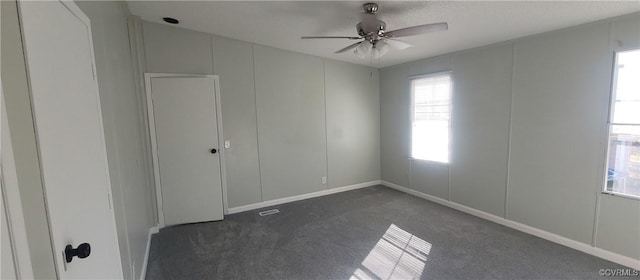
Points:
431	114
623	160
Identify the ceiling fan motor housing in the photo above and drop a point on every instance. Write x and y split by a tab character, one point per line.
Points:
371	29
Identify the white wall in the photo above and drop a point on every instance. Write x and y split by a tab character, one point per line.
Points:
17	98
131	188
528	133
291	118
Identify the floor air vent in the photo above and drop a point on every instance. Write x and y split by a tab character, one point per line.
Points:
269	212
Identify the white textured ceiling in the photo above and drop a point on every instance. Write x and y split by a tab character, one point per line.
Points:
471	23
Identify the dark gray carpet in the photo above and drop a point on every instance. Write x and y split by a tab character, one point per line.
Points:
371	233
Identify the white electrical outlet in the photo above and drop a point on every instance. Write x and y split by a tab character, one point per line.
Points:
227	144
324	180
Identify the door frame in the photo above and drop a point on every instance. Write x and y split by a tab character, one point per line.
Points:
12	202
154	143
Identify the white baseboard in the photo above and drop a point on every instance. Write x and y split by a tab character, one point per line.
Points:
583	247
300	197
143	273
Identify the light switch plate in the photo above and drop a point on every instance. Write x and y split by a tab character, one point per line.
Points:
227	144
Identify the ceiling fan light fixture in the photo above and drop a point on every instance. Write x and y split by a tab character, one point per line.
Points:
380	49
364	49
361	55
397	44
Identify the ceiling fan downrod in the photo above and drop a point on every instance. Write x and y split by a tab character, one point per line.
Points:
370	8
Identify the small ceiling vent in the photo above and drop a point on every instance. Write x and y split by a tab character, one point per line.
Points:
170	20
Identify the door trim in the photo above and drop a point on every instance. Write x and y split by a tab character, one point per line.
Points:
11	201
154	144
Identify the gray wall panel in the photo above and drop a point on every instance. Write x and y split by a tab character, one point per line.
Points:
625	32
175	50
619	225
429	65
480	128
353	123
291	122
234	64
561	91
394	125
430	178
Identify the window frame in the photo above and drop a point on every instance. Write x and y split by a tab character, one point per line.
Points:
412	107
612	99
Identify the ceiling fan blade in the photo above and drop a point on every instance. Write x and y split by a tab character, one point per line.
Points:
397	44
352	46
330	37
417	30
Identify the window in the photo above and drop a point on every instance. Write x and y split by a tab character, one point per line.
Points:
430	115
623	160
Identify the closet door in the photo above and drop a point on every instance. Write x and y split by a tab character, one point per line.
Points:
188	156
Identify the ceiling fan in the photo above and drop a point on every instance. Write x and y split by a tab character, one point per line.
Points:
375	39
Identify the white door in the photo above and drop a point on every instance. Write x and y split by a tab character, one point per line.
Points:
59	51
188	156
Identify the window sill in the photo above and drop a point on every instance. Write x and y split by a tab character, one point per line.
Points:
627	196
430	161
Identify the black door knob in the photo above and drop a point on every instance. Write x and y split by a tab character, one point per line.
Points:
83	251
213	151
